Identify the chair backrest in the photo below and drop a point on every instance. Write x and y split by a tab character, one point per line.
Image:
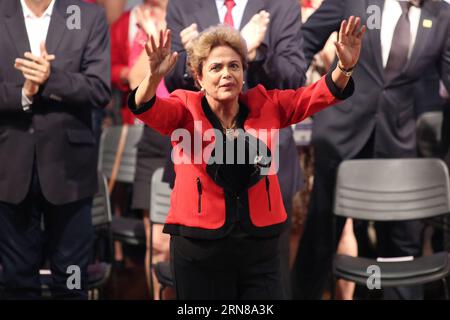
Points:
101	205
159	198
392	189
109	144
429	135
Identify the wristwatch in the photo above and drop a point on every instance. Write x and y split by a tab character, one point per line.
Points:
347	72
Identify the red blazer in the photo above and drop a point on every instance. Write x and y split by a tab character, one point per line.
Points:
267	109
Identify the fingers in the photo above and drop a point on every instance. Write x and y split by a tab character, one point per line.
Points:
31	74
153	44
168	40
35	79
264	17
350	26
30	65
50	57
188	34
188	30
173	59
148	49
34	58
357	26
44	52
342	30
361	32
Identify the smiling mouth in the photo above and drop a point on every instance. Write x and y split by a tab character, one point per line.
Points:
228	85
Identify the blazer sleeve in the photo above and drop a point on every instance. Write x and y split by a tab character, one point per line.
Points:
91	87
320	25
444	63
161	114
179	77
10	97
296	105
281	63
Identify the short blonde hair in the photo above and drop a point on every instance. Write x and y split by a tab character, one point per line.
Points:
220	35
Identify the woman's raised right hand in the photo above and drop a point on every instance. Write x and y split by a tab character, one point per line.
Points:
161	59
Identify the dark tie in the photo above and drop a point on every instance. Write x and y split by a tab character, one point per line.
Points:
398	56
228	17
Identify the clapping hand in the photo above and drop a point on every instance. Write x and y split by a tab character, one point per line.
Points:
254	32
36	70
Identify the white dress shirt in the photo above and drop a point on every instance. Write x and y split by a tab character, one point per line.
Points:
37	29
237	12
391	13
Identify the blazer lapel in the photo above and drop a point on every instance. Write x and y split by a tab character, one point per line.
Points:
374	36
56	28
427	23
15	24
206	14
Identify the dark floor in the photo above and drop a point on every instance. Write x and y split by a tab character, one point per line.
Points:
128	280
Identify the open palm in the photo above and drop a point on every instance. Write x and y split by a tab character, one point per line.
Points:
161	59
348	46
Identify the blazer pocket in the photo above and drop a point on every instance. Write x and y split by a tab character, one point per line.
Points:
80	137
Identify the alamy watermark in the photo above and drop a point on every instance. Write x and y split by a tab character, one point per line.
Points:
374	279
73	21
74	278
238	147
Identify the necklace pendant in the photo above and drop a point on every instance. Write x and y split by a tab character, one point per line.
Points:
229	132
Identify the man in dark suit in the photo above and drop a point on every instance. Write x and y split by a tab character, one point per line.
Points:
377	122
47	148
272	31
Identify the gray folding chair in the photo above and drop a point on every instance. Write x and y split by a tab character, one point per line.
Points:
124	229
99	271
392	190
159	208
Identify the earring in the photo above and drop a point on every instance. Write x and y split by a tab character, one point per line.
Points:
243	82
202	89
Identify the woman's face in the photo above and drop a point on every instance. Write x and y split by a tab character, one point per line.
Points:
222	74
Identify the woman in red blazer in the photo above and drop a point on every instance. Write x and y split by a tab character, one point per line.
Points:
226	214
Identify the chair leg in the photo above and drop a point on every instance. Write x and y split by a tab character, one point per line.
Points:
444	283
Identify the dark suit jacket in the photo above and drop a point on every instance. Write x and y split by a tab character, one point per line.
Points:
280	65
342	131
58	132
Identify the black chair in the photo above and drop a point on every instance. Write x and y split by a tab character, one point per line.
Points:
124	229
159	208
99	270
392	190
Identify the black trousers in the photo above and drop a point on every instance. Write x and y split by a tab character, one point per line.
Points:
237	267
66	241
312	266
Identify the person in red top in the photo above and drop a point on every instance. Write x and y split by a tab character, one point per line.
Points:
128	36
226	216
